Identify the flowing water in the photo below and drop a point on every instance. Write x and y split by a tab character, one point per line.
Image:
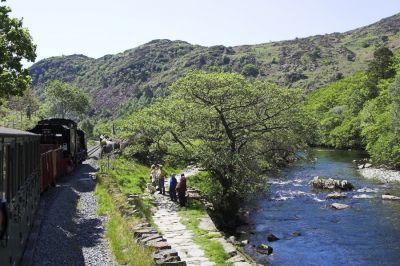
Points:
368	233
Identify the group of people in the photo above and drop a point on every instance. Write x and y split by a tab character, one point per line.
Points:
158	175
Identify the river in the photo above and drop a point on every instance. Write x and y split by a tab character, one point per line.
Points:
368	233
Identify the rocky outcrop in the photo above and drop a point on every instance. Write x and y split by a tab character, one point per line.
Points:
330	184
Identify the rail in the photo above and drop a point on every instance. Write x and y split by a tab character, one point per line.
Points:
92	150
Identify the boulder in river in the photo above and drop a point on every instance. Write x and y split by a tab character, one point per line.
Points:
264	249
390	197
272	237
331	184
336	195
339	206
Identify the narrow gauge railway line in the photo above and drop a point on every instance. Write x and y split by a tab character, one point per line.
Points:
93	150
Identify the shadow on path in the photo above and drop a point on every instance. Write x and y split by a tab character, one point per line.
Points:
68	228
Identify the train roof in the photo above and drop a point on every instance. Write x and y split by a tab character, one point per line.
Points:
41	126
11	132
58	121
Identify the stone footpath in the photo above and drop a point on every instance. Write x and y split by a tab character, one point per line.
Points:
177	235
180	238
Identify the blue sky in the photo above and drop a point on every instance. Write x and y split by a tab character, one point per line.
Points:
99	27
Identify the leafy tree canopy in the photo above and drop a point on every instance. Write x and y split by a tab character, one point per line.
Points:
250	70
382	66
230	126
65	101
15	45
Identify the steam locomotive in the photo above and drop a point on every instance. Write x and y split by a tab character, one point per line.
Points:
29	163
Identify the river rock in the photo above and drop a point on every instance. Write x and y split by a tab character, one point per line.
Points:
272	237
336	195
390	197
232	239
331	184
363	196
264	249
296	234
339	206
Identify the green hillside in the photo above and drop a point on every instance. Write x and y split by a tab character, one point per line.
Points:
362	111
132	78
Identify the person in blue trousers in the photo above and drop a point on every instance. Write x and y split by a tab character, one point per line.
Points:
172	187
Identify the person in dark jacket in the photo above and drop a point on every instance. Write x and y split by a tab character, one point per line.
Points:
172	187
182	191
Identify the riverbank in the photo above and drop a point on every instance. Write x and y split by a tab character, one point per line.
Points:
381	174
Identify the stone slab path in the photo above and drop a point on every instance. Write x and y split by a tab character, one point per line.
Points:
180	238
177	235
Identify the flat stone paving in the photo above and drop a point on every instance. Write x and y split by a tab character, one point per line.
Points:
177	235
181	238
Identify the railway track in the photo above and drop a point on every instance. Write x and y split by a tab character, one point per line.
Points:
92	150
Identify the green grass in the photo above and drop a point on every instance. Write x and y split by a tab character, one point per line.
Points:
131	177
201	181
125	251
212	249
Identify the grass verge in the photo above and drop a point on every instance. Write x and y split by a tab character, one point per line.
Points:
205	239
125	251
117	179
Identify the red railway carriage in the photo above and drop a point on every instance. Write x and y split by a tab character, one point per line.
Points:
51	165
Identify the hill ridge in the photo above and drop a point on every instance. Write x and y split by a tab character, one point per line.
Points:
119	81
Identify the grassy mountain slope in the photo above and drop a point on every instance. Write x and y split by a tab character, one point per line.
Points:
139	74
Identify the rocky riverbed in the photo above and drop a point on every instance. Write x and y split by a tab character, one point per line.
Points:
383	175
359	226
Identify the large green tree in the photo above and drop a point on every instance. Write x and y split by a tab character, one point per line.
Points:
15	46
64	100
232	127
